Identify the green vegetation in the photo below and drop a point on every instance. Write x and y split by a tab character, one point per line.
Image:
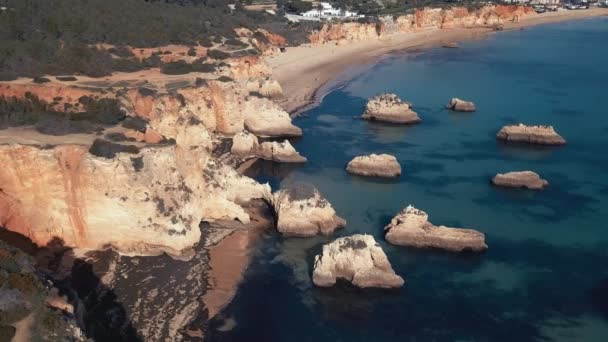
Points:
64	37
296	6
30	110
107	149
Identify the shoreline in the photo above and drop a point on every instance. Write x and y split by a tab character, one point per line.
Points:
309	72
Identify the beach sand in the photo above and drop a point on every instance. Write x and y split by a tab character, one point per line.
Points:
309	70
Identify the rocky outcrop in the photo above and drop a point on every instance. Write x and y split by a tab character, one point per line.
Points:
459	105
420	20
244	68
246	145
520	179
390	108
222	107
541	135
358	259
411	228
344	31
270	121
265	87
267	42
375	165
144	203
30	307
280	152
301	210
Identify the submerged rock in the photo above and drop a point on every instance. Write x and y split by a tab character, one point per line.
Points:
246	145
358	259
389	108
411	228
375	165
542	135
520	179
459	105
301	210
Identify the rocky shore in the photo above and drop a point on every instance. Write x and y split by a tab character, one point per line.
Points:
389	108
520	179
375	165
411	228
540	135
358	259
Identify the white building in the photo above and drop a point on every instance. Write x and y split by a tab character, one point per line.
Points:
326	10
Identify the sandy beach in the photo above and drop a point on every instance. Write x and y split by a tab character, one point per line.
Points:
309	70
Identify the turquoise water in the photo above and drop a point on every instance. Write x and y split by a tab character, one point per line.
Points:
545	275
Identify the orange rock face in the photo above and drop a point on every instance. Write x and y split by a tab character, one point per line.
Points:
422	19
248	67
146	207
267	42
57	93
222	107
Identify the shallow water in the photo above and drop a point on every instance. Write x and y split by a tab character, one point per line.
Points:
545	275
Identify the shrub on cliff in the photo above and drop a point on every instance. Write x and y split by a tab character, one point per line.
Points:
102	111
217	54
182	67
108	149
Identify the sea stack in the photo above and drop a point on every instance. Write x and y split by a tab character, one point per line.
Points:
459	105
358	259
301	210
390	108
541	135
375	165
520	179
411	228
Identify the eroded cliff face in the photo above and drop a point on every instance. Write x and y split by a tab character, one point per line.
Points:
267	42
221	107
421	19
152	201
143	204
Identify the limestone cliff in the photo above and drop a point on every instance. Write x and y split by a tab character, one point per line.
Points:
222	107
421	19
145	203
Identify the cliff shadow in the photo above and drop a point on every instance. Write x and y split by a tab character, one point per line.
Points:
96	307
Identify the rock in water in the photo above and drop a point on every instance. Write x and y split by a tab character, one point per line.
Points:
542	135
459	105
302	211
390	108
520	179
411	228
375	165
358	259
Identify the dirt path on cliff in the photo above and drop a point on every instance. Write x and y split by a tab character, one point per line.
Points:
302	70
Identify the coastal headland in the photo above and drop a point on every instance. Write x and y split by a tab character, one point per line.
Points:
134	161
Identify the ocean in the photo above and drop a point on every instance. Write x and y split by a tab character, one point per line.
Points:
545	274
